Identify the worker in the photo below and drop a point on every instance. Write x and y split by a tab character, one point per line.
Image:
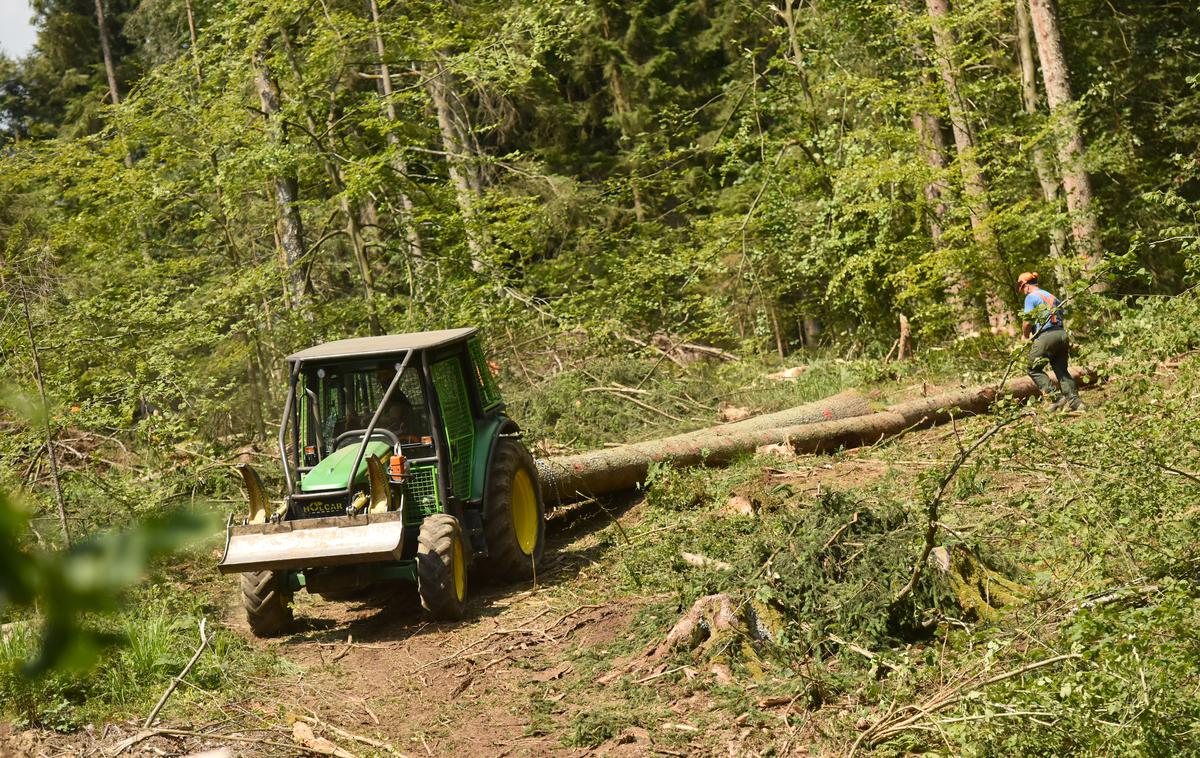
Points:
1043	325
399	415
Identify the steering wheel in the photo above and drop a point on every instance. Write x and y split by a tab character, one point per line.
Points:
379	432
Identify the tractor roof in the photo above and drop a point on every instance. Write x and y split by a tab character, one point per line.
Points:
388	343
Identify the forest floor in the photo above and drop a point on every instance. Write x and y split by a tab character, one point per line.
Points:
518	677
562	667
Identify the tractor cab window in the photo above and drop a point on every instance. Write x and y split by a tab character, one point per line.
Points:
348	396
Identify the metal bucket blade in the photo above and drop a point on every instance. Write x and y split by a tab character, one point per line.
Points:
310	543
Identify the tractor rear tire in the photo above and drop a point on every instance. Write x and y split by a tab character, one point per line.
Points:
442	567
514	517
268	605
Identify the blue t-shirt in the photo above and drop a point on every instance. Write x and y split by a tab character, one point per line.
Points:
1046	310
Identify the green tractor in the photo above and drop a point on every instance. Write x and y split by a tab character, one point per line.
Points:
400	465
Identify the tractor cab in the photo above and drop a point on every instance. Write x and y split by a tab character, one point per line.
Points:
392	448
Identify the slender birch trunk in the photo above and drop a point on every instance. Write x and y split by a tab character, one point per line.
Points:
1085	228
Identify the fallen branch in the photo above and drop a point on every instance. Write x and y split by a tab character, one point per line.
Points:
703	561
345	650
494	633
1114	596
870	656
146	734
896	722
624	393
303	735
314	721
204	640
931	510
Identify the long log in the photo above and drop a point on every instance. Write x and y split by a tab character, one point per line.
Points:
842	421
599	472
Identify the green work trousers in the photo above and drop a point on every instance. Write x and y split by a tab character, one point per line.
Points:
1051	348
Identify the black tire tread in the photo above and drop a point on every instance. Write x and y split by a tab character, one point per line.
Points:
268	607
506	562
435	572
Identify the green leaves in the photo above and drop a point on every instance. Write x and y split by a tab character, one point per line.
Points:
67	587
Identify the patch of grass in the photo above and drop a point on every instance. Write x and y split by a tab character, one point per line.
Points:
591	728
156	634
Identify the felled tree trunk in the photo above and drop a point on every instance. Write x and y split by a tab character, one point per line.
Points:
842	421
600	472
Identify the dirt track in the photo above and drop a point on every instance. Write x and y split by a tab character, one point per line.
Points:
518	677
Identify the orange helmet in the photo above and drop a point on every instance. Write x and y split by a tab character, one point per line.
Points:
1029	277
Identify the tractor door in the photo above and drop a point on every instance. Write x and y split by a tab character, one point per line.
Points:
457	417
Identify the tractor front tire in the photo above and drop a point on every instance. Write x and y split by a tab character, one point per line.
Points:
514	518
442	567
268	606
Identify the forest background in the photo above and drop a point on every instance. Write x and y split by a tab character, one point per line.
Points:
192	190
195	189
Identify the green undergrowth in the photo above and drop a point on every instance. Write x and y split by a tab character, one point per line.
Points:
1073	539
150	640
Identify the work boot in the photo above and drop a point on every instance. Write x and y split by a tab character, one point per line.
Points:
1058	404
1077	404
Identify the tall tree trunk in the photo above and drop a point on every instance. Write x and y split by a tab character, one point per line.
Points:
114	92
187	4
411	234
1041	162
974	185
349	209
453	144
1077	184
289	226
937	193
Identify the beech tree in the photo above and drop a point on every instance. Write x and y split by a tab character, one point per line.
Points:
1041	162
974	185
1076	183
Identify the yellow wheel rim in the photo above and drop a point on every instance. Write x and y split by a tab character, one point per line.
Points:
459	570
525	512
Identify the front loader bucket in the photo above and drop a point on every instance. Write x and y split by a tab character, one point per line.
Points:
311	543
